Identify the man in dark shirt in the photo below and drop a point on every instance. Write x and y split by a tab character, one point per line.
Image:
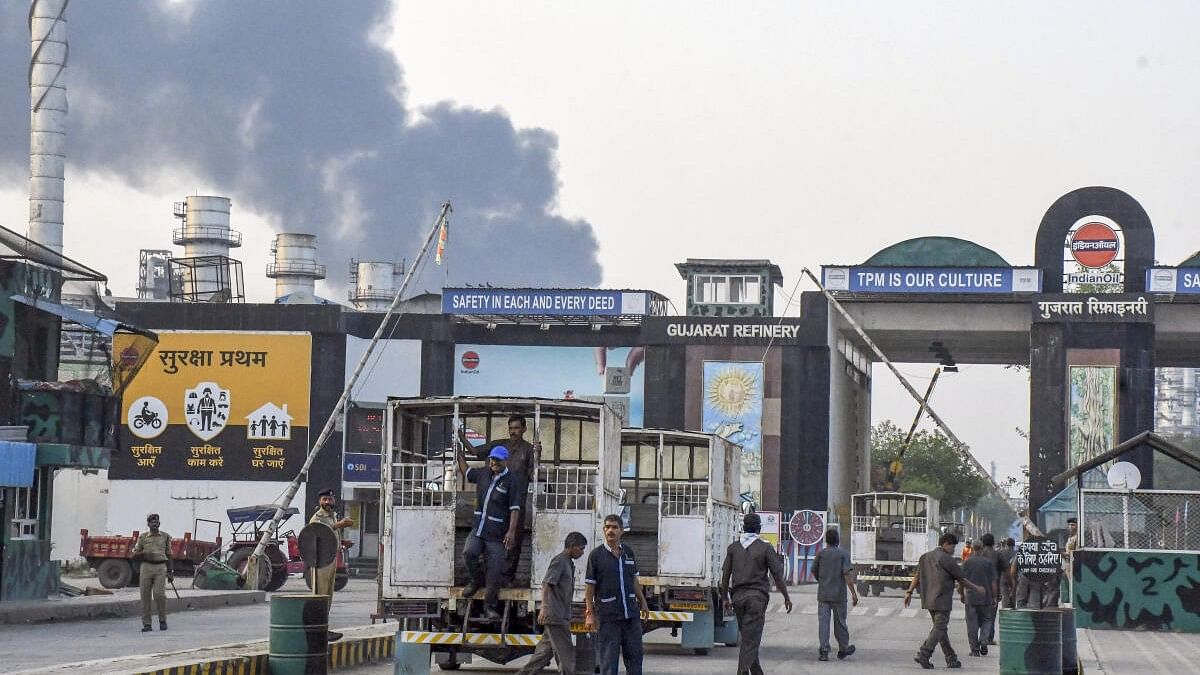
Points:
936	572
981	570
834	576
521	461
1008	584
558	586
497	519
744	582
988	543
613	600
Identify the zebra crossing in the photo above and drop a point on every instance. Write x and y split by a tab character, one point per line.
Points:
897	612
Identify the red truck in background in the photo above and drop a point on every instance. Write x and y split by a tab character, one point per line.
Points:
112	555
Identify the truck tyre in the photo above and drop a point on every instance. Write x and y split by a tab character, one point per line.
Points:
114	573
878	589
340	581
700	651
863	589
279	577
237	560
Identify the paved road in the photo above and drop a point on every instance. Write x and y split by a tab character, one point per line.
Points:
886	636
39	645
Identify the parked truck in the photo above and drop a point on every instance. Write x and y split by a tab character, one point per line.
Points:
889	533
112	555
427	511
680	491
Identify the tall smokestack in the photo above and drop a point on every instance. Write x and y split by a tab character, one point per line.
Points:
47	120
294	267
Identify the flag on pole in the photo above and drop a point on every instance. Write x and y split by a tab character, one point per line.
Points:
441	245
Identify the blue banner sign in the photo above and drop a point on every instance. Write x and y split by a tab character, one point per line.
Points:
358	467
1173	280
933	279
542	302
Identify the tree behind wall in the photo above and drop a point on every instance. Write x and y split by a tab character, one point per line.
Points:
931	466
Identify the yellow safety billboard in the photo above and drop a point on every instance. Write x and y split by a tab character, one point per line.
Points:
216	405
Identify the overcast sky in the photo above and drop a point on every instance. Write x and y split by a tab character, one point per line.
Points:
808	133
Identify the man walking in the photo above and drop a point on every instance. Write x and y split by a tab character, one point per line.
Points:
744	581
936	572
981	570
521	458
613	600
1008	583
153	551
988	548
555	615
834	577
497	520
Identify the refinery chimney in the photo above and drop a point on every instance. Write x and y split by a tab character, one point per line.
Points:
374	284
205	272
294	267
47	121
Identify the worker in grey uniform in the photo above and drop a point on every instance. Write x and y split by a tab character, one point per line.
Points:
937	570
153	551
558	586
744	583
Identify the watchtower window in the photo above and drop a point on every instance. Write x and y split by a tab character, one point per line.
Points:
727	289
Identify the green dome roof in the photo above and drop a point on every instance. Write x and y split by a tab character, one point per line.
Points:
1193	261
936	252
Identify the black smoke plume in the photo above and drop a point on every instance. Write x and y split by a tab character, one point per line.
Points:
293	110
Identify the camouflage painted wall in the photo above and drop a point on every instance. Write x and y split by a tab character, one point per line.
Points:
29	574
1137	591
19	278
69	417
762	308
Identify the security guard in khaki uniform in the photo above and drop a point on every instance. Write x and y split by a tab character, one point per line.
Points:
323	584
153	551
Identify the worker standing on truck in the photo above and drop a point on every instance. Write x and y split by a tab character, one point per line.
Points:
153	551
937	571
558	585
497	520
612	600
521	460
326	577
744	584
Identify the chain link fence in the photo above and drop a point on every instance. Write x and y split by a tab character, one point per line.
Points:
1153	520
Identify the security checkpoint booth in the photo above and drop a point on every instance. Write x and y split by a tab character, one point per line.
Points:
1137	565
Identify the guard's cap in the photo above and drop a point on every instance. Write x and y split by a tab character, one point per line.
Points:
499	452
152	516
328	492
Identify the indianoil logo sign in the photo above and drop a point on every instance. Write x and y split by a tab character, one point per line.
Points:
1094	245
470	361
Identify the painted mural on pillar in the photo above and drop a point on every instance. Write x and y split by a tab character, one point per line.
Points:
1092	424
28	572
1137	590
733	409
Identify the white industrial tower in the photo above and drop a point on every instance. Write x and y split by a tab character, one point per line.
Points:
47	121
294	267
374	284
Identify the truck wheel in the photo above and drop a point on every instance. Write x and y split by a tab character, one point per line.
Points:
863	588
238	559
114	573
878	589
340	581
278	578
700	651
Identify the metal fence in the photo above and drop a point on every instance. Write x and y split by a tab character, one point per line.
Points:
566	488
1153	520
